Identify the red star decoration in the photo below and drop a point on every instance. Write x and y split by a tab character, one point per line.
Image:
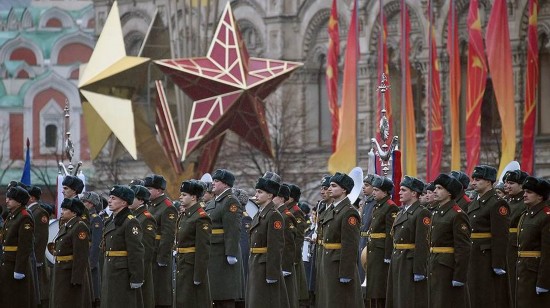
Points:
228	88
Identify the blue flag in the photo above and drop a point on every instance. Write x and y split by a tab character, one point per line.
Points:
26	177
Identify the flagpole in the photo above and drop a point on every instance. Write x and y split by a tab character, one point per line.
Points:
356	87
430	96
403	85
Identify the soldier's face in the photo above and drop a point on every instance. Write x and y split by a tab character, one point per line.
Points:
278	201
12	204
208	196
367	189
88	204
512	188
480	185
116	204
423	198
68	192
531	198
218	187
335	191
430	196
67	214
324	193
135	204
378	194
187	200
155	192
406	196
441	194
262	197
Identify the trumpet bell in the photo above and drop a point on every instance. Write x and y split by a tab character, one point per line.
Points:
357	175
364	258
53	230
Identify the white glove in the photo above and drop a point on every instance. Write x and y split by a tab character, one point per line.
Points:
540	290
271	280
18	276
499	271
345	280
231	260
196	283
457	283
286	273
135	285
387	261
162	264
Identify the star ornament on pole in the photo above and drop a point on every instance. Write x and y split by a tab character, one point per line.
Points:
228	88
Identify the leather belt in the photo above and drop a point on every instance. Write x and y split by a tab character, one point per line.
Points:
529	254
364	234
63	258
377	235
116	253
442	250
478	235
332	246
404	246
217	231
186	249
9	248
258	250
157	237
513	230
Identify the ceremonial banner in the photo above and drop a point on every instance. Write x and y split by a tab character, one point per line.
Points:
477	75
408	125
435	127
454	84
499	58
345	156
26	176
531	84
383	67
396	176
332	72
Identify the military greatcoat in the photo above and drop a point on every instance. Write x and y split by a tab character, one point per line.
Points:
149	229
489	221
225	279
71	271
517	207
265	262
193	248
302	223
96	233
17	245
463	201
366	219
533	267
380	248
340	241
41	232
409	257
165	215
449	257
123	263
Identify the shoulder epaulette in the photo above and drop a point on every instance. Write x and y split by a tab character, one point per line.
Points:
202	212
547	209
168	202
147	214
130	216
94	215
245	214
287	212
466	198
457	208
24	212
296	208
390	202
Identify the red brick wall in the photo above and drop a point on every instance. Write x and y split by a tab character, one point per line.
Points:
74	52
24	54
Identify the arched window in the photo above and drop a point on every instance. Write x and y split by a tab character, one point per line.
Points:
325	123
51	136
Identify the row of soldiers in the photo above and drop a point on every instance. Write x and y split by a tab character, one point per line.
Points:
126	258
442	249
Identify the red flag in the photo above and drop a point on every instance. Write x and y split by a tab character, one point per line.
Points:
383	67
332	72
435	127
454	84
408	125
345	156
531	83
477	75
499	58
396	176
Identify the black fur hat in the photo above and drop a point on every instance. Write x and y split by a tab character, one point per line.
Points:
462	178
123	192
74	183
368	179
224	176
74	205
382	183
284	192
516	176
18	194
430	186
140	192
537	185
325	182
413	184
451	184
343	180
268	186
192	187
35	191
155	181
270	175
485	172
295	192
136	182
